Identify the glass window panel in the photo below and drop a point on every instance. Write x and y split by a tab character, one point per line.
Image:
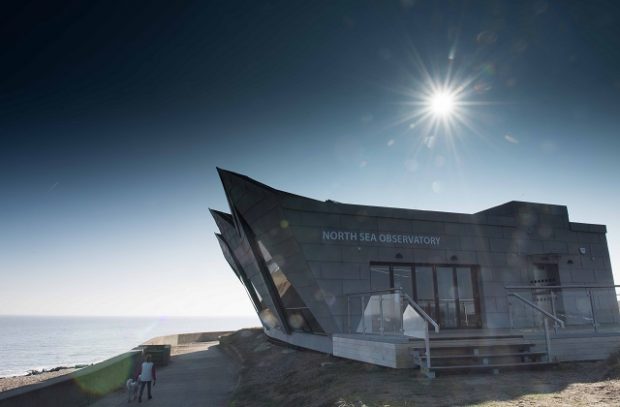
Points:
424	283
260	298
447	311
402	279
463	276
379	278
294	307
445	283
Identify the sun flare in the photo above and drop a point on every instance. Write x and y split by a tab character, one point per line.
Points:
442	104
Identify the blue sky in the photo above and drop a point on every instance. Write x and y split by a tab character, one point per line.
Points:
114	116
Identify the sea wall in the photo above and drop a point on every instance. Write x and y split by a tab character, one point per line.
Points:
183	339
76	389
85	386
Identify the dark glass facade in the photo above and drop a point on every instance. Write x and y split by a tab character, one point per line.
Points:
297	313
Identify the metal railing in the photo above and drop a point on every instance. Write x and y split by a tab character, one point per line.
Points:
546	316
576	305
389	312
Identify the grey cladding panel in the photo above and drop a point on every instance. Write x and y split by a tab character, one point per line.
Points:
260	209
321	252
461	229
501	220
579	227
394	225
502	245
599	250
361	223
474	243
285	249
359	253
352	286
321	220
492	259
462	257
449	243
491	231
306	234
303	204
555	247
528	246
425	227
430	256
394	254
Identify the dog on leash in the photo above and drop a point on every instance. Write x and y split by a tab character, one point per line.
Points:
132	389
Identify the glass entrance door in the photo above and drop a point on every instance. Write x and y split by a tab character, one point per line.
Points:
468	306
449	294
446	297
425	289
457	297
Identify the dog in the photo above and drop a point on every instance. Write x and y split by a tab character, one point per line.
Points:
132	389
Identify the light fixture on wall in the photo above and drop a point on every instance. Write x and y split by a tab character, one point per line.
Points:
399	256
453	257
570	261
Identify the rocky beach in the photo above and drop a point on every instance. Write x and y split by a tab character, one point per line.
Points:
13	382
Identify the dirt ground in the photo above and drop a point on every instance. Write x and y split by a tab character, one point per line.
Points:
274	375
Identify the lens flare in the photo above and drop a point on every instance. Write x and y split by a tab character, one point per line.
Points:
442	103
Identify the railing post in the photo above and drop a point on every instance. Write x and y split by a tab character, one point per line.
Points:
552	296
381	328
349	314
594	323
400	312
512	322
363	316
427	344
547	340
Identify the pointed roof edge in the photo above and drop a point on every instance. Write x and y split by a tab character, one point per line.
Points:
482	212
245	178
226	216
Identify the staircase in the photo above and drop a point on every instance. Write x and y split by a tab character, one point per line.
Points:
458	353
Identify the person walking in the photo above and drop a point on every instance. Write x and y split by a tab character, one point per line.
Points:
146	375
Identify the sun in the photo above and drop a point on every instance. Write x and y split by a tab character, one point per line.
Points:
442	103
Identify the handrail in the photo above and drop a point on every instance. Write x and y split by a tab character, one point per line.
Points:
410	301
372	292
539	309
560	291
545	323
543	287
421	311
414	304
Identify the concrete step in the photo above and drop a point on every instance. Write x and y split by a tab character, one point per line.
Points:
484	355
491	366
474	343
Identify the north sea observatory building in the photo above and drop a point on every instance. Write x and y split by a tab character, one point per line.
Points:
514	285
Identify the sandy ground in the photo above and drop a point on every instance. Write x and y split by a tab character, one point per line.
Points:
8	383
273	375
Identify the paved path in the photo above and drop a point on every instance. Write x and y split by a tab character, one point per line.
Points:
205	377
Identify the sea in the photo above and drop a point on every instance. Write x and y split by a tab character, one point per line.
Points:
45	342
